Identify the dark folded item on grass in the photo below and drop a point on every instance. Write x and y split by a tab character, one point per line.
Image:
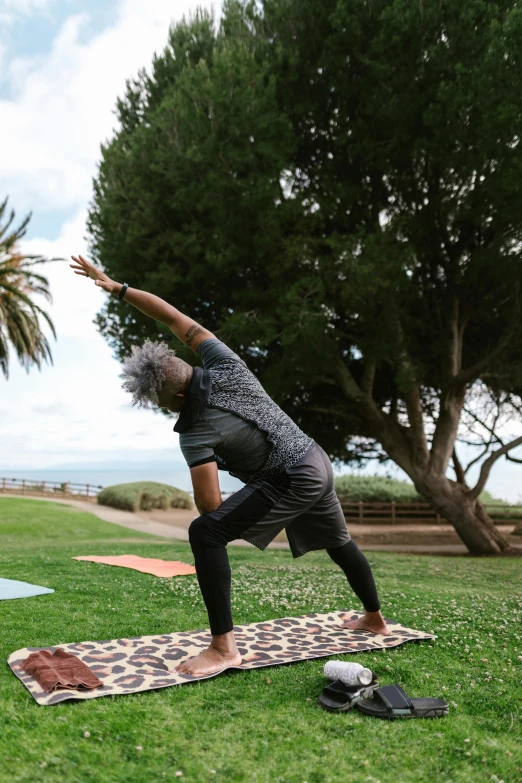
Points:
392	702
60	670
338	697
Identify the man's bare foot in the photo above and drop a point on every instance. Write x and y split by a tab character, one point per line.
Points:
370	621
221	653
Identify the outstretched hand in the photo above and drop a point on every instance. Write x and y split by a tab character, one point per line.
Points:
83	267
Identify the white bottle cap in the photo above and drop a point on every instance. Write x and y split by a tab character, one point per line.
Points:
365	676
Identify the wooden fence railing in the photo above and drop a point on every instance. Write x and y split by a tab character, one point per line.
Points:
357	513
60	489
416	513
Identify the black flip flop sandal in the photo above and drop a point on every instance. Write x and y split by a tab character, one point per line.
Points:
338	697
392	702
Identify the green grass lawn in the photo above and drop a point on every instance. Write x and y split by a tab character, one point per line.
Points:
260	725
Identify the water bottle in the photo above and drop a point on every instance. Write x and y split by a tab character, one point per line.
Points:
348	672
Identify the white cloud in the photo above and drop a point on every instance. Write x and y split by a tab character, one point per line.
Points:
75	299
12	10
50	409
75	410
63	110
69	410
24	6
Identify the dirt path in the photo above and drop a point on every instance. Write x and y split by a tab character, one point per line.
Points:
419	539
174	523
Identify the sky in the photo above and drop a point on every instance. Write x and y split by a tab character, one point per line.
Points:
63	64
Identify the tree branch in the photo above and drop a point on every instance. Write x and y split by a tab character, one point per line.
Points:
382	427
348	382
459	472
326	380
457	333
487	445
491	430
493	437
368	377
452	396
412	398
319	409
393	409
470	374
445	434
473	461
488	464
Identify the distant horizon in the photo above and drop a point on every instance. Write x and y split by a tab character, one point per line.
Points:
175	474
115	465
503	483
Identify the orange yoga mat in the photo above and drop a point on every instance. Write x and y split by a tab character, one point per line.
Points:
147	565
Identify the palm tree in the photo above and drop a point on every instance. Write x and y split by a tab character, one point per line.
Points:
19	322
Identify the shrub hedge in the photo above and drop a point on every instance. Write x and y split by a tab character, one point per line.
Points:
381	489
144	496
375	489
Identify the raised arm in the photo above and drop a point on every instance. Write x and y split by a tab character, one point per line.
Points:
185	328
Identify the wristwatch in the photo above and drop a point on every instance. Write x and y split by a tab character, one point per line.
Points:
123	289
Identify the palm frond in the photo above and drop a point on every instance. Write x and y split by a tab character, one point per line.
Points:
20	333
42	259
4	354
16	292
47	318
9	241
19	314
12	307
3	207
29	342
31	281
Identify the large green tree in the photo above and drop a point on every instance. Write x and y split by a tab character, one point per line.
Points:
333	188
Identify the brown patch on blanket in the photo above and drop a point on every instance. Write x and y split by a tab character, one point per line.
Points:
60	670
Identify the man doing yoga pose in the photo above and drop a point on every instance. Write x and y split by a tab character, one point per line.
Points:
227	421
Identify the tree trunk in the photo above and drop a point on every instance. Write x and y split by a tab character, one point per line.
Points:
469	517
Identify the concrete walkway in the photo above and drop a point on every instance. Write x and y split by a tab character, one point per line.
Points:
179	520
134	522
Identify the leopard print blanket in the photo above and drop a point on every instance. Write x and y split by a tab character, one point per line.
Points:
144	663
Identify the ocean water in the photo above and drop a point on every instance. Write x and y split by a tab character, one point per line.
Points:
106	478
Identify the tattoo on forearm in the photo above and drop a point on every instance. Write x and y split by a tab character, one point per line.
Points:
192	332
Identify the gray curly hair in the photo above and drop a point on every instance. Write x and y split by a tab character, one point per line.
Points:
147	368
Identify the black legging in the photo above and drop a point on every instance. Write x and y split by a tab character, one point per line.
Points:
359	574
208	542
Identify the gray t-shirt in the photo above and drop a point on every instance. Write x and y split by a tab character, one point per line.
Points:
240	443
